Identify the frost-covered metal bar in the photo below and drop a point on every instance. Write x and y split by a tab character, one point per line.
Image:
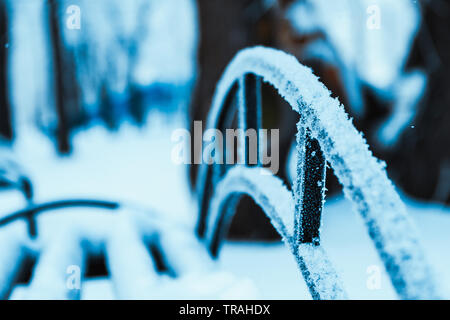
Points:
363	176
278	204
245	94
209	174
309	188
249	115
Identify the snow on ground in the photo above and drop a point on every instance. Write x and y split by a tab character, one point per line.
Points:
130	165
134	166
349	247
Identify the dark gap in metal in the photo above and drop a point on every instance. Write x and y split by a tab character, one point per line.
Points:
26	268
96	266
160	260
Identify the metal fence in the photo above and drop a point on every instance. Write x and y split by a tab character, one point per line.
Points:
325	134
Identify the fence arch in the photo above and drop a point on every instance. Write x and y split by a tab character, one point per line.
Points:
325	134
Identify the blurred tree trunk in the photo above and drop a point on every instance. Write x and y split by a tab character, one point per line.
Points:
65	82
421	162
226	26
6	128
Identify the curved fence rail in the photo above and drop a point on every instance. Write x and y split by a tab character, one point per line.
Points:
325	134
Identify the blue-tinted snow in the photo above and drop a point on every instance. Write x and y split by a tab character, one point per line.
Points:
102	167
139	159
119	43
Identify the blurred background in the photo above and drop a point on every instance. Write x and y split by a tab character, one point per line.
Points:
91	91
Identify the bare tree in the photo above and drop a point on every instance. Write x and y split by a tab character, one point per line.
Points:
65	82
6	129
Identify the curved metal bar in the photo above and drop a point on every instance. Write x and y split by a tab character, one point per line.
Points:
30	212
324	123
309	188
209	174
249	113
317	270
